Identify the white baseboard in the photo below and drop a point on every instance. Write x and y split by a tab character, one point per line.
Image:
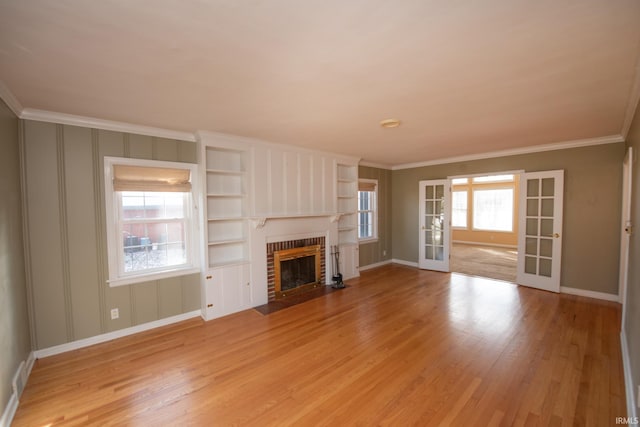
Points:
589	294
9	411
22	374
403	262
29	364
628	378
74	345
374	265
495	245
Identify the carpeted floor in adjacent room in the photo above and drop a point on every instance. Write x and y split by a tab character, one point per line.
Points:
484	261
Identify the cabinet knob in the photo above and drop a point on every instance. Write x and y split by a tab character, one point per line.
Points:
208	277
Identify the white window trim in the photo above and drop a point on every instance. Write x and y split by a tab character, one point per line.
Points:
373	238
115	245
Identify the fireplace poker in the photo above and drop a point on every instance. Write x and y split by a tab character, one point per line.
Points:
335	260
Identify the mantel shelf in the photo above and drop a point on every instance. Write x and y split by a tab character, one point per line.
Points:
260	221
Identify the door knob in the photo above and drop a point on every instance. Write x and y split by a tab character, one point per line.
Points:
556	235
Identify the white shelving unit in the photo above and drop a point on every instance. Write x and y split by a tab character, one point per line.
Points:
347	194
227	280
226	180
347	203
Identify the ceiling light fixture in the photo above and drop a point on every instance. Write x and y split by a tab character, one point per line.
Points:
390	123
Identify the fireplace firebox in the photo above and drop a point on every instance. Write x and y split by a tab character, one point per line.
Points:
297	270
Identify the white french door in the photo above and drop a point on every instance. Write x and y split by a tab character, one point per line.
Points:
540	230
435	229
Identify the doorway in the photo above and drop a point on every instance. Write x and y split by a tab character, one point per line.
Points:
484	225
536	221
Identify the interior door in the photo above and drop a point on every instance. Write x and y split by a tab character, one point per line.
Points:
540	230
627	183
435	228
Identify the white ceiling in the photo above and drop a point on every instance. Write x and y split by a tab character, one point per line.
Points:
464	77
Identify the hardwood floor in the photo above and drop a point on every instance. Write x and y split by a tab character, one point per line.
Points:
399	346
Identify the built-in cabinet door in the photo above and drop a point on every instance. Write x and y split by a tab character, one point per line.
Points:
349	261
228	290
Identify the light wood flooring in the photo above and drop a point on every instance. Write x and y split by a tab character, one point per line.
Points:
399	346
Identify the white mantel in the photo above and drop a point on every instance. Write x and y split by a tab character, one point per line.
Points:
278	229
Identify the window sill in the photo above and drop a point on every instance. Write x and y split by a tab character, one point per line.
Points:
370	240
139	278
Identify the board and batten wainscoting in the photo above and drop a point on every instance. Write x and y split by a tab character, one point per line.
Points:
66	235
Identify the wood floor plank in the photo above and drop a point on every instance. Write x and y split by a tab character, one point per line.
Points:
398	346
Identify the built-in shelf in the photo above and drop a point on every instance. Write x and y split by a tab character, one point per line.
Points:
226	195
229	263
347	203
226	171
226	242
226	205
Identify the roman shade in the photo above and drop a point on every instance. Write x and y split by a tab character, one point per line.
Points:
141	178
366	186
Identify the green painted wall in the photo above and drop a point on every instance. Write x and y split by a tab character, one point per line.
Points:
592	208
15	341
632	320
67	236
380	250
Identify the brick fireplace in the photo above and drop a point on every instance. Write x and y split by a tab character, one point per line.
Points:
295	259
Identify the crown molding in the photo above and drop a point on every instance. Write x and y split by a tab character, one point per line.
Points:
375	165
632	104
226	139
90	122
12	102
611	139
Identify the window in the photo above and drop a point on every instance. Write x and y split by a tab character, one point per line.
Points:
459	209
367	209
493	209
493	178
150	219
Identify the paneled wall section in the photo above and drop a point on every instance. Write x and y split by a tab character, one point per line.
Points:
15	342
292	183
66	239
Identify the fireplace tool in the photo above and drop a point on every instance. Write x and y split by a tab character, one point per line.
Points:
335	261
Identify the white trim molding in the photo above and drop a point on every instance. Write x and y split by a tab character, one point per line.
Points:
93	123
86	342
22	373
374	265
611	139
589	294
628	378
12	102
9	411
